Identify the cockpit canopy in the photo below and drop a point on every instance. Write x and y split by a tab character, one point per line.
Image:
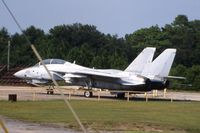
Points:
51	61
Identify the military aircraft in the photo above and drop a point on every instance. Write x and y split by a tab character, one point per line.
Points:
141	75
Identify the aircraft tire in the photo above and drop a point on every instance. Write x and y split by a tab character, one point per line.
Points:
120	95
91	94
88	94
148	84
166	84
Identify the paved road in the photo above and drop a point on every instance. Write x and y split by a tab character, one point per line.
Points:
39	93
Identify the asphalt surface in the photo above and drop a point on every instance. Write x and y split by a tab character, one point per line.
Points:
40	93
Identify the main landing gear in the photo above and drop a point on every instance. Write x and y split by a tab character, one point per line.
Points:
88	94
120	95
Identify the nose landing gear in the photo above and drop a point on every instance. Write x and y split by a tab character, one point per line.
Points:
50	90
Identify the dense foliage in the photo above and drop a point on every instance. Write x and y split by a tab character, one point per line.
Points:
89	47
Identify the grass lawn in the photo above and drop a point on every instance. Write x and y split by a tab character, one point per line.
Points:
130	117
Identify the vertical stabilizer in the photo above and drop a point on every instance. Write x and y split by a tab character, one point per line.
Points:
145	57
161	66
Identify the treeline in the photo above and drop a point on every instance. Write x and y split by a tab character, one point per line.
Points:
90	47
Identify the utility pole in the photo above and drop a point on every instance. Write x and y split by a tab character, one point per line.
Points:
8	59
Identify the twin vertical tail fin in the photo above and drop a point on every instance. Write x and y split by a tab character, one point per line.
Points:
161	66
158	69
145	57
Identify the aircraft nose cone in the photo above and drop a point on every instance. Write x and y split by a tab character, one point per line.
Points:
20	74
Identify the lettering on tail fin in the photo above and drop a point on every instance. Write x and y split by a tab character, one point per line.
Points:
161	66
145	57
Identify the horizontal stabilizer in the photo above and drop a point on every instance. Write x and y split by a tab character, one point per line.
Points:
175	77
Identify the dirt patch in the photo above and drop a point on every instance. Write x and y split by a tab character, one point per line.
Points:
17	126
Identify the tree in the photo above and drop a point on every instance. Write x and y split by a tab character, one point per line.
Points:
193	77
89	47
180	20
4	37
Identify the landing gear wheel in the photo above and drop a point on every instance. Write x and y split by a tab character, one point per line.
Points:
88	94
120	95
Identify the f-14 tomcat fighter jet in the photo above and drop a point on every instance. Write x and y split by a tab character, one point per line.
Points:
141	75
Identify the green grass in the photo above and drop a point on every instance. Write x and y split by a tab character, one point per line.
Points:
130	117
